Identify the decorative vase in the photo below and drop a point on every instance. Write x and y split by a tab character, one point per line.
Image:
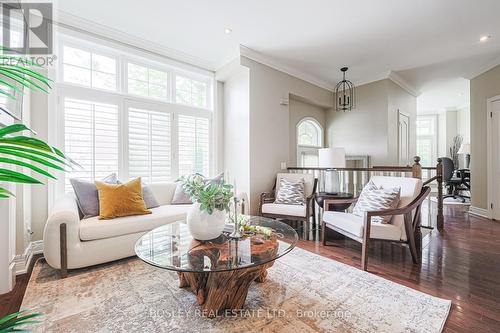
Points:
205	226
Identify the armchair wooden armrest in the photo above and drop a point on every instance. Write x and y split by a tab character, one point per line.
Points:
328	202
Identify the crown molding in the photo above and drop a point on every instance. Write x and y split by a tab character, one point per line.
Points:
490	65
275	64
81	25
397	79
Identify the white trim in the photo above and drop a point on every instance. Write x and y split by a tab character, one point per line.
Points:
479	212
23	261
90	28
492	64
489	151
404	84
265	60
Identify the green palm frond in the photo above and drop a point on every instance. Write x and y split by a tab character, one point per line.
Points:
12	322
16	73
30	153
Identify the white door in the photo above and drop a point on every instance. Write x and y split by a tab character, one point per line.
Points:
495	157
404	138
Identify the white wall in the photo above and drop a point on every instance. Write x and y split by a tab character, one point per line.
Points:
300	109
236	113
484	86
269	122
399	100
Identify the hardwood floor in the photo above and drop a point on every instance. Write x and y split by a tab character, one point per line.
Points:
461	263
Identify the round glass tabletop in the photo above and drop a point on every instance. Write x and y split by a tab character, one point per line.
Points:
172	247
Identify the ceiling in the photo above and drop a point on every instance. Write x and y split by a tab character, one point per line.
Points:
450	94
425	41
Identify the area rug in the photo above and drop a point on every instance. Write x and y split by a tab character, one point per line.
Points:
304	292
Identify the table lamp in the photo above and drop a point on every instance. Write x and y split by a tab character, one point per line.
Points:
465	150
332	158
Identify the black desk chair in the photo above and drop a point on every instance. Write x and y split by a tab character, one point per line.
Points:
457	181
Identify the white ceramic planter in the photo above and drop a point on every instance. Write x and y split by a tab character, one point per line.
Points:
204	226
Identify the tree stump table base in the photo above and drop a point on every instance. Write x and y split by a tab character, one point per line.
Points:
223	290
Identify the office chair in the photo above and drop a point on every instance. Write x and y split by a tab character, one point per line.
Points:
455	181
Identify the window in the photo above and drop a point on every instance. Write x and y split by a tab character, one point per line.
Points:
193	145
120	114
309	139
144	81
191	92
427	139
91	138
89	69
149	146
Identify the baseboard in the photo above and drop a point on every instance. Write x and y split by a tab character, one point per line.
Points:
481	212
23	261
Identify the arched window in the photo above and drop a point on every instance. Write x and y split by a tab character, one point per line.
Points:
309	139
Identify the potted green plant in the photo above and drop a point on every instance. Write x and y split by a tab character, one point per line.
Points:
207	217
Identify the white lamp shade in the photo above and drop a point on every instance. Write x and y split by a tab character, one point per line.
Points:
331	157
464	149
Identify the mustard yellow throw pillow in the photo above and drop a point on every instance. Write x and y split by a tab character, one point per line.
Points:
117	200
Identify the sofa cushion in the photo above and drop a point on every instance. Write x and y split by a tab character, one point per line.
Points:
291	193
149	197
180	196
354	225
93	228
373	198
163	191
86	194
117	200
284	209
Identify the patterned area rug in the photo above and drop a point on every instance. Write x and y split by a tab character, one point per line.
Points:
304	292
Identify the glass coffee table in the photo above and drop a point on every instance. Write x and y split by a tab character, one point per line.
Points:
219	271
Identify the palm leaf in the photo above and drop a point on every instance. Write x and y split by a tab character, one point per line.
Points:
13	129
30	72
26	141
17	151
6	192
21	79
4	92
29	166
32	158
10	85
12	322
17	177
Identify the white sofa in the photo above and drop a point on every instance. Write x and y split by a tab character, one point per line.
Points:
92	241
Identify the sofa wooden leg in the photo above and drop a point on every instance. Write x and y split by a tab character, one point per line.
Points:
63	250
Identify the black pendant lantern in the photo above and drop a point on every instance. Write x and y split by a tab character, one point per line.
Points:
345	94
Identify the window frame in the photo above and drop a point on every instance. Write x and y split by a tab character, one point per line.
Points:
87	48
433	137
124	100
308	149
148	66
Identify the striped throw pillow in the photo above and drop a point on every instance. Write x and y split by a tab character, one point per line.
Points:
291	193
374	198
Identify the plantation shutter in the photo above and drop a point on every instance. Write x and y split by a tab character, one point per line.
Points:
91	138
149	145
194	145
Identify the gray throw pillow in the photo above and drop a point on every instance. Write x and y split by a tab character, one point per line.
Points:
374	198
149	197
291	193
180	196
86	194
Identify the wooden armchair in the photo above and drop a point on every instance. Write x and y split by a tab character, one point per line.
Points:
404	227
268	208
